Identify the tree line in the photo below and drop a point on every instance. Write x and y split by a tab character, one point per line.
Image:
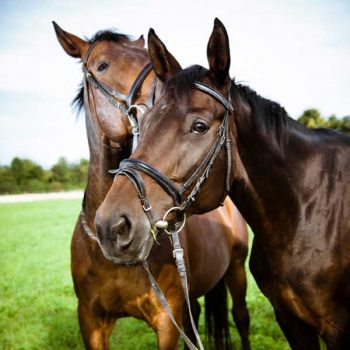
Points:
312	119
24	175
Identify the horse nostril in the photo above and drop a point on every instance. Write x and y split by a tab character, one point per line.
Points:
120	224
121	232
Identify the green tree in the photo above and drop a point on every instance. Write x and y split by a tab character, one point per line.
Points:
61	171
24	171
312	118
8	183
17	169
334	123
345	125
80	172
24	175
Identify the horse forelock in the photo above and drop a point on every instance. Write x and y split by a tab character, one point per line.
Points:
180	85
109	35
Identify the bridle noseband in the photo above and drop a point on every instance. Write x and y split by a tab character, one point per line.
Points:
125	103
131	168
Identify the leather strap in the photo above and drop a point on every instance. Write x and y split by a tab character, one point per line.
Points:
181	268
155	174
161	297
214	93
86	227
114	95
137	83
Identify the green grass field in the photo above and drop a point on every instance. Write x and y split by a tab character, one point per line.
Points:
37	302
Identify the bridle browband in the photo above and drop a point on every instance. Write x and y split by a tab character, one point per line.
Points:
125	103
131	167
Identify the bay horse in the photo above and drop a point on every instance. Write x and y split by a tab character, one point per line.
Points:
106	291
291	184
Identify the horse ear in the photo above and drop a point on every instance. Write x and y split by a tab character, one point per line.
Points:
164	63
218	52
140	41
73	45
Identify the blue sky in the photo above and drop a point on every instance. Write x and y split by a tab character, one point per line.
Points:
294	52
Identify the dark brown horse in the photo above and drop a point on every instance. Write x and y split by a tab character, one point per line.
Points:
107	291
291	184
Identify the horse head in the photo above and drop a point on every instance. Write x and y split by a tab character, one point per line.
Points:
186	130
112	63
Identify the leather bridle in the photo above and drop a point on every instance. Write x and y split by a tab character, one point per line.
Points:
131	168
125	103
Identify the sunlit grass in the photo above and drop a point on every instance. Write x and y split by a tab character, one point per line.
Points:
37	302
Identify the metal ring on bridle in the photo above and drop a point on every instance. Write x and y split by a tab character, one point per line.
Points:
183	220
136	107
132	118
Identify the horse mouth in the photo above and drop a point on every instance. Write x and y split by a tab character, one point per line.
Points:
129	257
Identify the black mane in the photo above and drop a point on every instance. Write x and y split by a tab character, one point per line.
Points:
269	116
78	101
109	35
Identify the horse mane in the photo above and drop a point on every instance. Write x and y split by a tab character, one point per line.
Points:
78	101
108	35
269	116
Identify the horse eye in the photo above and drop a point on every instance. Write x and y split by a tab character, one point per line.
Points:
199	127
102	67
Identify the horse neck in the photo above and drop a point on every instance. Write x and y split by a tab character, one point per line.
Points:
266	188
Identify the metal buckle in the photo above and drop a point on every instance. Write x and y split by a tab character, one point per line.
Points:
146	208
180	251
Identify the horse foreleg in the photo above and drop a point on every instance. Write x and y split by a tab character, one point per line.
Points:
300	335
167	334
196	310
95	330
236	281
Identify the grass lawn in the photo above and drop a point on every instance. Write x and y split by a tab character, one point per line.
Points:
37	302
